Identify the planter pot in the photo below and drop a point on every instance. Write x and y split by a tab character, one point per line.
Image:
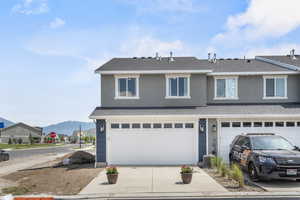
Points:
112	178
186	177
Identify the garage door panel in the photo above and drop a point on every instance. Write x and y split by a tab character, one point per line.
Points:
150	147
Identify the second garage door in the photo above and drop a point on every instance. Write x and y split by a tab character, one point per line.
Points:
290	129
152	143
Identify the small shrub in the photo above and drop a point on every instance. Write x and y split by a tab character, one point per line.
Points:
224	170
237	175
111	170
20	141
14	141
186	169
9	141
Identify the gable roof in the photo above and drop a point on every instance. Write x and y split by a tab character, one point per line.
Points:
284	61
23	125
181	64
145	64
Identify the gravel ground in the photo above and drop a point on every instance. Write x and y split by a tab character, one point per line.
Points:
230	184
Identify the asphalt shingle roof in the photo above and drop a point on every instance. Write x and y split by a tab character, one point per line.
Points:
189	63
285	59
288	109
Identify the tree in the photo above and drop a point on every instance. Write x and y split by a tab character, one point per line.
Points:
31	140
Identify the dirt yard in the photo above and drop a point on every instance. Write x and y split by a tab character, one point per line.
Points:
48	179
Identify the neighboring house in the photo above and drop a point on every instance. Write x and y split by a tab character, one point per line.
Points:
21	131
175	110
86	133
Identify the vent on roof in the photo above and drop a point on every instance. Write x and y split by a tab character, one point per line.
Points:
171	58
292	54
149	57
134	58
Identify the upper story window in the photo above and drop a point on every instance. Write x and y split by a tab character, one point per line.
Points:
178	86
127	87
226	88
275	87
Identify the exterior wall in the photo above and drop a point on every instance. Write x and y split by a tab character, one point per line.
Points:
152	90
212	136
100	143
250	90
18	132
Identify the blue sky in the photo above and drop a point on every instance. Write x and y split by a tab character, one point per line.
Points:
49	48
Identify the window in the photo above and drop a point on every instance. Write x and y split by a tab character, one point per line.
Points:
125	125
136	125
279	124
146	125
115	126
257	124
268	124
168	125
275	87
226	88
178	125
225	124
178	87
189	125
156	125
247	124
127	87
290	124
236	124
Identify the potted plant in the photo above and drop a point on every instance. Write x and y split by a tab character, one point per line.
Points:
186	174
112	174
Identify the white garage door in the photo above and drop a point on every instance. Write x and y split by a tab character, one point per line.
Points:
148	143
229	129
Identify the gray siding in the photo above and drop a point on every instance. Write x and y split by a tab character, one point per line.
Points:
250	90
152	90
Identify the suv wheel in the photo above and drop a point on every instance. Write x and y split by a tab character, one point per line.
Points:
252	172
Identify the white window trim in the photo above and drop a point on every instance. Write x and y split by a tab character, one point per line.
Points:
117	77
226	98
285	88
188	96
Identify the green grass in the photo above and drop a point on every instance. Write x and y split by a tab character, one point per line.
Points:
15	190
25	146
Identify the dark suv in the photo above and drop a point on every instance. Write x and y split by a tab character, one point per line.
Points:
266	156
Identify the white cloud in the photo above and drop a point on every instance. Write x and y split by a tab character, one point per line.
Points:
57	22
31	7
262	19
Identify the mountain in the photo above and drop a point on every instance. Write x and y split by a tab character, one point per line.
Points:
68	127
6	122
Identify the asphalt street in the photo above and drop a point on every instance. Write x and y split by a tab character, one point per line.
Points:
24	153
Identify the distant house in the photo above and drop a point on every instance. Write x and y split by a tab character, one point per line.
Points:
21	131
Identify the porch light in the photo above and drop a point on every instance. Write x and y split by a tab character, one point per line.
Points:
214	128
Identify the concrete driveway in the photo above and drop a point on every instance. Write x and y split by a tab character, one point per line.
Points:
152	180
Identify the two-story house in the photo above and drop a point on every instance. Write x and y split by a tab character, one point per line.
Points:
175	110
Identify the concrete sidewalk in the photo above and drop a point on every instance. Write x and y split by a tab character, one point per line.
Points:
133	180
